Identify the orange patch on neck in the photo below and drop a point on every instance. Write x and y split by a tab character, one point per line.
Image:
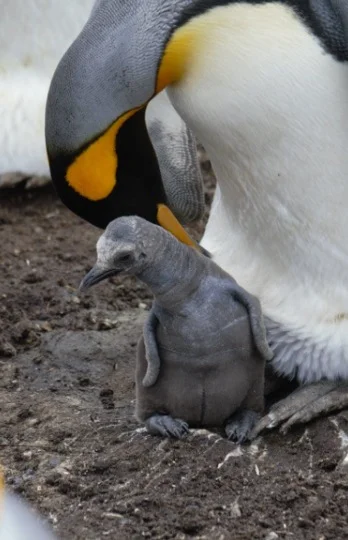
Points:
168	221
93	172
176	57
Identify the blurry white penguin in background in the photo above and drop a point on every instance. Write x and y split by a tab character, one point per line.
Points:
18	521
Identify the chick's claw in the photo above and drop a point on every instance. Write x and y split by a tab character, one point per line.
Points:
240	426
166	426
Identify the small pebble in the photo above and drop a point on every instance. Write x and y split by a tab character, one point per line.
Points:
4	441
46	327
235	510
106	324
33	421
7	349
272	536
35	276
106	392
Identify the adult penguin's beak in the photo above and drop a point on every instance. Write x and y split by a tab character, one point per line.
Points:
102	161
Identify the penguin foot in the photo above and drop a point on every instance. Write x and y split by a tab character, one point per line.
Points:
166	426
305	404
240	426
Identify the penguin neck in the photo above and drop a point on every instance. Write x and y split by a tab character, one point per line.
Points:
278	148
173	273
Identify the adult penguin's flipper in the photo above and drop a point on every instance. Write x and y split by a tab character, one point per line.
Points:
176	151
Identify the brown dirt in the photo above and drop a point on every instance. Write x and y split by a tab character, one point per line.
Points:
68	439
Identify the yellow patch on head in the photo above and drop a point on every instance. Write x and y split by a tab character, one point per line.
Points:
176	56
93	172
168	221
222	34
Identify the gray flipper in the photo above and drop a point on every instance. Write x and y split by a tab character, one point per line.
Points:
151	350
176	151
257	324
240	426
166	426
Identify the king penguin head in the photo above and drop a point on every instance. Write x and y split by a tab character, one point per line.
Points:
101	159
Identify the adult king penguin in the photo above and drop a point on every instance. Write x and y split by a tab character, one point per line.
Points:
31	45
264	86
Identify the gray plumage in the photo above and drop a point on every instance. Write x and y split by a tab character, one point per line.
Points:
125	41
203	351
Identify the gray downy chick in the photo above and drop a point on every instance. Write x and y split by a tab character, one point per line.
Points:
201	358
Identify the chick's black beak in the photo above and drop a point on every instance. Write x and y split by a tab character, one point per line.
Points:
96	275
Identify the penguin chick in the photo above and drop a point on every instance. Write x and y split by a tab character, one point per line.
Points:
201	358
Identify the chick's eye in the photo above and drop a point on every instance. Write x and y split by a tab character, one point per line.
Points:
124	258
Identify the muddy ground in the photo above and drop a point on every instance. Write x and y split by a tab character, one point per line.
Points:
68	439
